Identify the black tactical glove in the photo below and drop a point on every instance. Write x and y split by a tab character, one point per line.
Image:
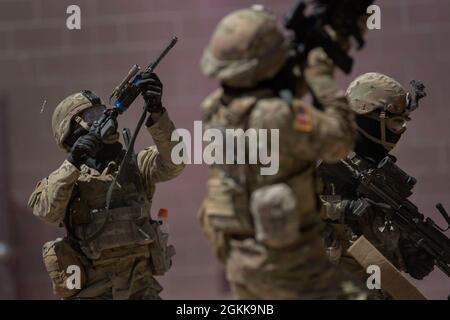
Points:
358	207
360	212
151	89
86	146
418	262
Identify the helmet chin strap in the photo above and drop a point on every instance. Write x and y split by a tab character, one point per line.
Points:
382	119
82	123
387	145
383	126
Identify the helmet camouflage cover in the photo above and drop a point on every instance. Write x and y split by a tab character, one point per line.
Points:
246	47
372	91
65	113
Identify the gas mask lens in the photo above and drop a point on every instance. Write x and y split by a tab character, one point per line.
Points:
397	124
92	114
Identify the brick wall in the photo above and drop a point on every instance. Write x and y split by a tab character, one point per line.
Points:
41	60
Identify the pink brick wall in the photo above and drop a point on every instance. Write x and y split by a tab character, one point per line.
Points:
41	60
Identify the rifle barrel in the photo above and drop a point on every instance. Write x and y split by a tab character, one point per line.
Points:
153	65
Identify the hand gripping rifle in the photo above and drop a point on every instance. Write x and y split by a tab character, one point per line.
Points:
125	94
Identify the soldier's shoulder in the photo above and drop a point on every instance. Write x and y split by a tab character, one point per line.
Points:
211	103
272	103
273	112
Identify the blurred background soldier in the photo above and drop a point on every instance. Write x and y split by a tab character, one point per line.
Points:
266	228
115	252
382	108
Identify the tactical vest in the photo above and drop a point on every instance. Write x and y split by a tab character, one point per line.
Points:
230	186
126	228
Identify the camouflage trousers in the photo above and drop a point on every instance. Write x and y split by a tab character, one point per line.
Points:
120	279
301	272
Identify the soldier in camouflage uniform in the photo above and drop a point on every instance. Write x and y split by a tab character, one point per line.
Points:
382	108
117	251
266	228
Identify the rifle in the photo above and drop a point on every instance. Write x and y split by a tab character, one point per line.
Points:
389	184
310	29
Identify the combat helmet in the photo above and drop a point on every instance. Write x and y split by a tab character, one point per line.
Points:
373	91
67	111
246	47
379	97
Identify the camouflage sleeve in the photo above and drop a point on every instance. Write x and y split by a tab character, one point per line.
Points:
155	162
51	196
333	130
